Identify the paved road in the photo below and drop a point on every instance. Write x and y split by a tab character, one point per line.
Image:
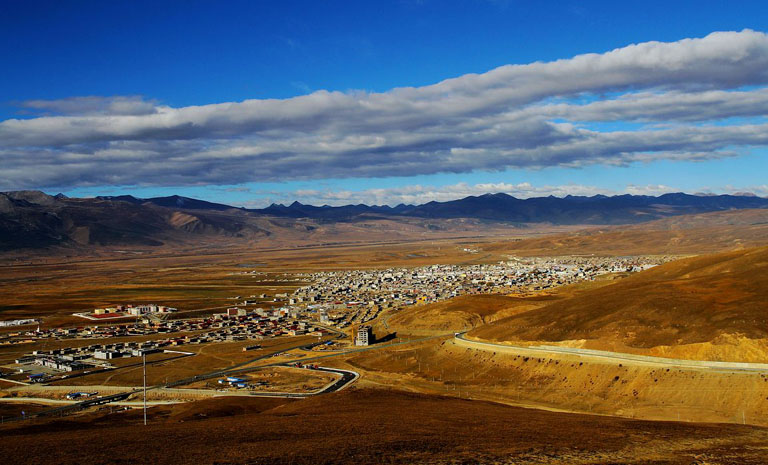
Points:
344	352
218	373
617	357
347	376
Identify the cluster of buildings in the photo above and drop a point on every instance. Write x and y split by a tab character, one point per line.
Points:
234	325
338	298
8	323
355	297
122	311
62	363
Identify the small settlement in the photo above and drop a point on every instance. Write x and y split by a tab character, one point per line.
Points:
234	325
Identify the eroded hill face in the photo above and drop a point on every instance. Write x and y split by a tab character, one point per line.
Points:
695	300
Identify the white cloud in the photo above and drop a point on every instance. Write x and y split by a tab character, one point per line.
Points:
93	105
493	121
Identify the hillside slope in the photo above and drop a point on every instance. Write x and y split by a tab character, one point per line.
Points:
35	220
371	427
459	313
31	219
688	301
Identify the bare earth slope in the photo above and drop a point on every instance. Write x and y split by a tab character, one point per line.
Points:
688	301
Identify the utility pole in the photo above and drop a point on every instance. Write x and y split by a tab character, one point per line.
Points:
144	359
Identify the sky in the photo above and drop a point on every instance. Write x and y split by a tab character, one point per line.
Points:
254	102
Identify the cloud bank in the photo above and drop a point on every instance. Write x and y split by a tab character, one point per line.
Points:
694	99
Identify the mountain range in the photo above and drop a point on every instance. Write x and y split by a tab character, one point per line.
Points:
597	210
33	219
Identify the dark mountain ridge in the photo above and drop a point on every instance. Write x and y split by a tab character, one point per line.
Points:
595	210
173	201
33	219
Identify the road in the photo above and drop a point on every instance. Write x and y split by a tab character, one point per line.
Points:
218	373
132	365
347	377
603	356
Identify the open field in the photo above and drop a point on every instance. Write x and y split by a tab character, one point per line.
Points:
208	277
54	289
277	379
337	429
10	410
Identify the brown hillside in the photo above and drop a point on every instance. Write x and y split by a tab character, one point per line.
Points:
682	302
461	313
686	234
377	427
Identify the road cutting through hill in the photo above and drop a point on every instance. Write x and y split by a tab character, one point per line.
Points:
603	356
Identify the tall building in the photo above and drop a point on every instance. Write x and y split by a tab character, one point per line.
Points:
364	336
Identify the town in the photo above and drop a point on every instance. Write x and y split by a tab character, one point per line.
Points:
356	297
337	299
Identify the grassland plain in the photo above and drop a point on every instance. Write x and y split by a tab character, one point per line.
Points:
685	234
54	288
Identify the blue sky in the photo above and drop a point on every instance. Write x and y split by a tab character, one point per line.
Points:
133	58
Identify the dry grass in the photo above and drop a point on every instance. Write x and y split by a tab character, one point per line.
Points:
696	300
566	383
376	427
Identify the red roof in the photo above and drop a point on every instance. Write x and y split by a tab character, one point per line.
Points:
109	315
